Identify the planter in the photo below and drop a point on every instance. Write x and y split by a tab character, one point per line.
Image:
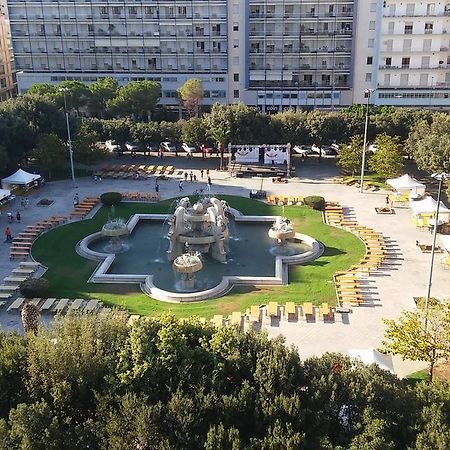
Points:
385	210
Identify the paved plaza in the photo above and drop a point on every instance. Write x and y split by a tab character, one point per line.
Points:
391	288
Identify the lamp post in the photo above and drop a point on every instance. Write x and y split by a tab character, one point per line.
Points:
441	177
69	139
368	93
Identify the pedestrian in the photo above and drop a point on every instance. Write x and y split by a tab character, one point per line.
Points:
387	200
156	187
36	184
27	202
191	175
99	178
10	217
195	177
18	216
95	178
180	185
22	202
207	172
185	176
8	234
209	184
201	173
76	200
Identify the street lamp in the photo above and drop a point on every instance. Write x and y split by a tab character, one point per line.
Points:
368	93
69	139
441	177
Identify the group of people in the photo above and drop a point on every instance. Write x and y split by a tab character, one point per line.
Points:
193	177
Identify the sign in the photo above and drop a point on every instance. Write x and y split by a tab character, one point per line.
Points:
247	153
275	154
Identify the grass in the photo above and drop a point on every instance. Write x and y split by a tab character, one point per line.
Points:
68	272
370	179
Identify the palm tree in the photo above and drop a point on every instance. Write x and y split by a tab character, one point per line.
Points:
220	135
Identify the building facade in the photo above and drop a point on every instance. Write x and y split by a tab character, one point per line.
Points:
271	54
7	76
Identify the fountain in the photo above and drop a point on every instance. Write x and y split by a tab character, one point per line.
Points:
115	229
203	227
187	265
282	230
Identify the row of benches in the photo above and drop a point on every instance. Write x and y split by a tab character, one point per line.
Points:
134	171
11	283
141	196
284	200
58	306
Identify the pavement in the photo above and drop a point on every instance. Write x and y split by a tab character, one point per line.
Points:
392	288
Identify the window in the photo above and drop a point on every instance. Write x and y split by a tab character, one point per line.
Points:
410	9
369	60
428	27
430	9
371	43
116	10
368	76
132	10
236	77
405	62
427	45
389	45
407	45
235	60
425	63
391	26
423	79
236	93
182	11
404	78
388	61
104	10
372	25
236	43
235	26
236	8
387	80
408	28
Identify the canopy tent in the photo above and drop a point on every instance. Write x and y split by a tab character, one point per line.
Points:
4	194
405	183
445	241
372	356
19	178
426	209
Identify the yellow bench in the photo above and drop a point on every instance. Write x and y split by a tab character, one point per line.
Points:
218	320
255	313
307	309
290	309
236	318
272	309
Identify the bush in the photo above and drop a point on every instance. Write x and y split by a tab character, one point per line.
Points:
315	202
111	198
34	287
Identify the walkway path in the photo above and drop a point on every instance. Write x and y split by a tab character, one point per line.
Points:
395	284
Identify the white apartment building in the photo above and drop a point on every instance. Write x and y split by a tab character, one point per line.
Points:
403	53
271	54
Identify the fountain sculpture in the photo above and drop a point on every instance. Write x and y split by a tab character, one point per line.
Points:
187	265
115	229
282	230
202	227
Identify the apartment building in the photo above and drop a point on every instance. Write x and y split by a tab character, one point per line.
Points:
405	54
7	77
271	54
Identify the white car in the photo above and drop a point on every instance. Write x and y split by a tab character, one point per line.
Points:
132	146
189	148
112	146
167	146
302	149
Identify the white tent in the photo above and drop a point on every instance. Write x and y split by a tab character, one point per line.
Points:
445	240
428	206
4	194
19	178
406	183
371	356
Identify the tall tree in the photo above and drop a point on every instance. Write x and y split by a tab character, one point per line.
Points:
77	95
192	94
50	154
136	99
388	161
410	338
293	127
194	131
350	155
102	91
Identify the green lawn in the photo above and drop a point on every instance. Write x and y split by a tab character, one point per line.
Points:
68	272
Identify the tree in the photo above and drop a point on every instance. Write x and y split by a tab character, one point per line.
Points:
350	155
194	131
146	133
85	148
137	99
388	161
43	89
50	153
102	91
118	130
191	94
410	338
77	95
293	127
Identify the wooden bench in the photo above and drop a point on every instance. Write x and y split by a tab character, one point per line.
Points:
23	255
290	309
48	304
218	320
16	304
61	305
14	279
308	309
32	264
255	313
272	309
236	318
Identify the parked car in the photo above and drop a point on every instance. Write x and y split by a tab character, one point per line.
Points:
208	149
133	147
303	149
113	146
153	147
328	151
188	148
373	148
167	146
316	149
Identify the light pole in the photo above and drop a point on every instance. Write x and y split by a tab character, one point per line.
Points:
69	139
441	177
368	93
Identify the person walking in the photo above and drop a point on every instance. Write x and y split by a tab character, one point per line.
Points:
195	177
201	173
18	216
180	185
156	187
207	173
209	184
191	175
76	200
10	217
8	234
185	176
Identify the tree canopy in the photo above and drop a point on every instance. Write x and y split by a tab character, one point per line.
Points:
191	94
95	382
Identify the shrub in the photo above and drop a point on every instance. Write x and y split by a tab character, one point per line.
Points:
111	198
315	202
34	287
45	202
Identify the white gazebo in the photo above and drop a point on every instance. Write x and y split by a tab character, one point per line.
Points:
372	356
407	184
424	210
20	178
